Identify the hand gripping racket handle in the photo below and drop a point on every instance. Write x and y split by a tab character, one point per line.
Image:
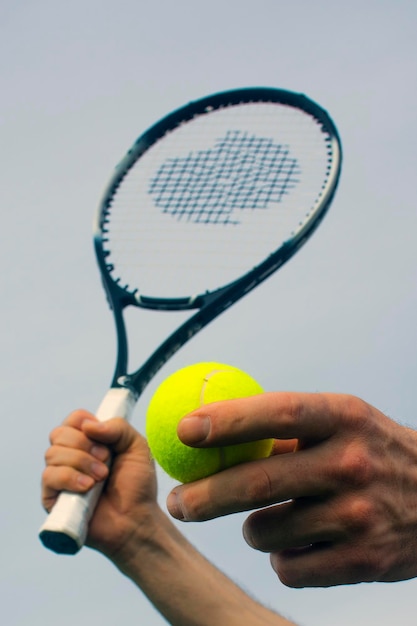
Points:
65	529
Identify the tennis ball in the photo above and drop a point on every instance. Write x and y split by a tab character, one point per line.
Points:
183	392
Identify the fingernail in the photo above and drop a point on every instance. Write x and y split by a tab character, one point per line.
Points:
85	481
174	506
192	430
88	422
99	470
100	452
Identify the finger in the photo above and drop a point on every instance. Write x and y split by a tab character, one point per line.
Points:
77	417
116	433
276	415
252	485
83	430
69	437
69	433
59	456
57	479
327	565
304	522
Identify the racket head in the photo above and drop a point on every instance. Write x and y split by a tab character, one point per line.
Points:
213	192
208	203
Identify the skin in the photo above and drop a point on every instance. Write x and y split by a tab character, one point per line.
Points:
335	504
131	530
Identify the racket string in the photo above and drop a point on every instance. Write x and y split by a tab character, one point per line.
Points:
215	196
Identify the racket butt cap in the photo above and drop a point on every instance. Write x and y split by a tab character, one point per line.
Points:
58	542
65	529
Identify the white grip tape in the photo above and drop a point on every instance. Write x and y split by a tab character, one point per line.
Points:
72	512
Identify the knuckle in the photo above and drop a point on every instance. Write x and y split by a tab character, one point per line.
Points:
292	416
48	478
55	434
296	407
357	412
258	487
69	478
75	418
359	515
354	467
193	508
45	476
48	456
59	478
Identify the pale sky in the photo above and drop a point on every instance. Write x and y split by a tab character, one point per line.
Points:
80	81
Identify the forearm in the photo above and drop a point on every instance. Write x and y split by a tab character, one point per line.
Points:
182	584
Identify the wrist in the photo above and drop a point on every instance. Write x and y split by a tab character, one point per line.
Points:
133	536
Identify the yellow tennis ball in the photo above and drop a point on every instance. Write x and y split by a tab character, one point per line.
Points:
183	392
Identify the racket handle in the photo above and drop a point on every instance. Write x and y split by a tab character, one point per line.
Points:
65	529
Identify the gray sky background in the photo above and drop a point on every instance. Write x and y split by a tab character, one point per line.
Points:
80	81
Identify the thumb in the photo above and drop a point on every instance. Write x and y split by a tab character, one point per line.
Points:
116	433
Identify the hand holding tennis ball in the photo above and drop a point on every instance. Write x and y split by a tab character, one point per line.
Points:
180	394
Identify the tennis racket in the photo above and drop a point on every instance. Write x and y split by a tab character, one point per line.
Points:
207	204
